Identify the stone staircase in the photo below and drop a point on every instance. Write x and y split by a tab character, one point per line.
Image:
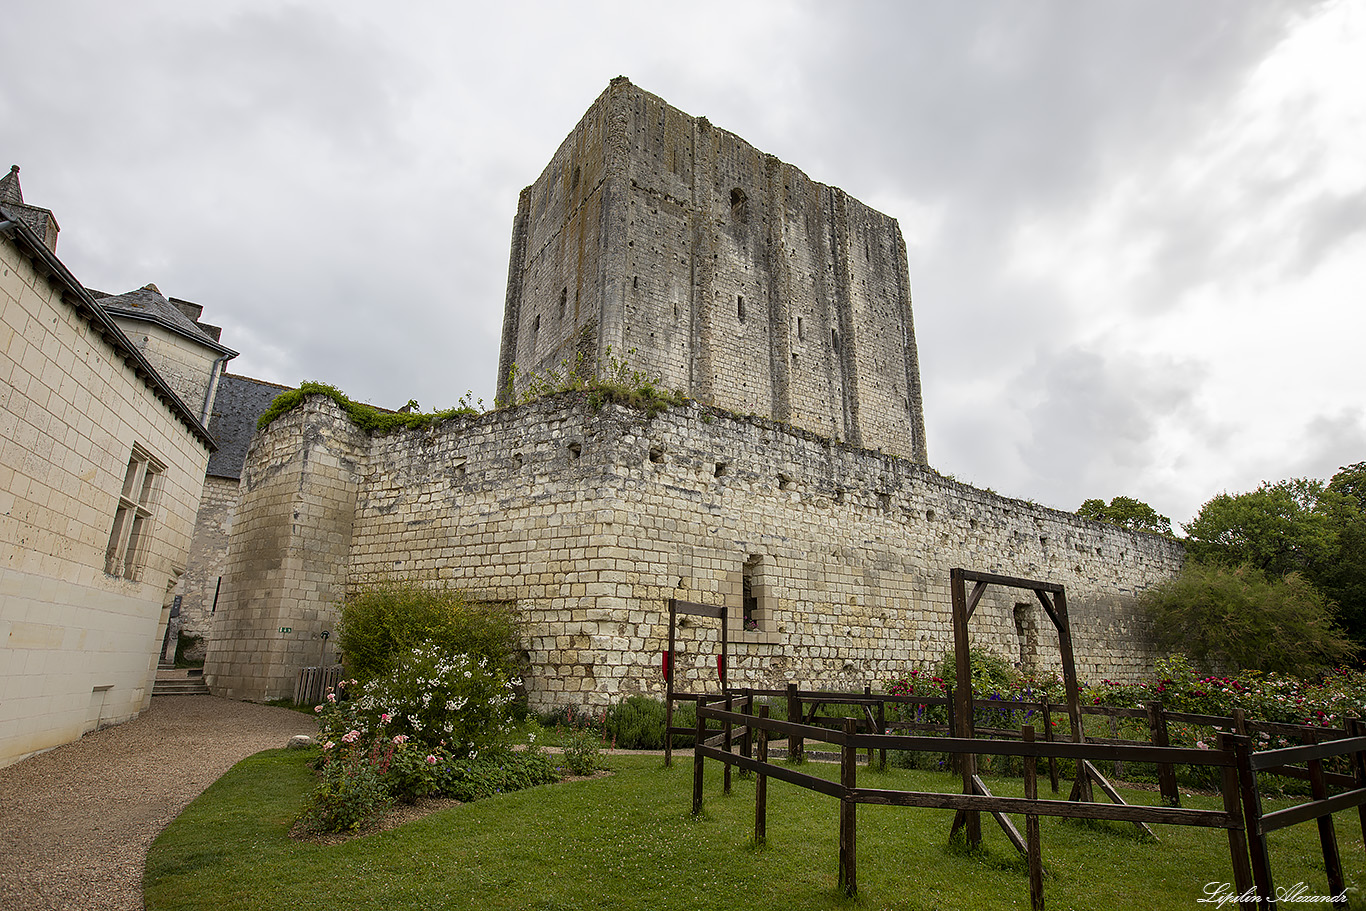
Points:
179	681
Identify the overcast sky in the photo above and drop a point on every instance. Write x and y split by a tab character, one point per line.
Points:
1136	230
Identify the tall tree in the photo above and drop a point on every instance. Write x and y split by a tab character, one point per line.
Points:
1277	528
1127	512
1299	525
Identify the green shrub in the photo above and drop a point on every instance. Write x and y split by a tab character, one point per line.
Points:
366	417
495	772
1227	620
351	789
389	618
637	723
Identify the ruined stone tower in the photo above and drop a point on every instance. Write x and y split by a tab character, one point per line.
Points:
732	275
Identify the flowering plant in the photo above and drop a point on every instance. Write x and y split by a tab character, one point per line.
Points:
458	702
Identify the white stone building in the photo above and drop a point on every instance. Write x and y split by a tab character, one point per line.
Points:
101	466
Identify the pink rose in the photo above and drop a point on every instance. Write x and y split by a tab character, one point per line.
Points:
431	760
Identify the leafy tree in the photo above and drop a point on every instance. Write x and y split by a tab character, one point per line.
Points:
1344	580
1277	528
1299	525
1135	515
1350	481
1226	619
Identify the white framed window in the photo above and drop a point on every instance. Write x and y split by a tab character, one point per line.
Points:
133	520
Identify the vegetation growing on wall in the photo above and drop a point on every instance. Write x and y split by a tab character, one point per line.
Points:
366	417
613	380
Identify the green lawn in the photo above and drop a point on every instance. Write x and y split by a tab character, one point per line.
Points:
627	841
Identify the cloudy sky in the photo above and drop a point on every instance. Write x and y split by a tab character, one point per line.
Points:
1136	228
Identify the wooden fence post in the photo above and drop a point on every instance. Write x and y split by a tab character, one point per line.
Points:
1048	736
1237	838
868	694
794	715
1118	765
700	732
849	811
1357	728
747	738
1033	846
1328	838
1252	819
725	775
1166	774
882	729
761	787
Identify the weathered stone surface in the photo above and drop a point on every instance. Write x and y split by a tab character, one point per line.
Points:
654	238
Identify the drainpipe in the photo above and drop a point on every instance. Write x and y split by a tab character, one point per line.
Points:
212	391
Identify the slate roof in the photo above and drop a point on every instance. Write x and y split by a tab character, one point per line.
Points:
239	402
150	304
41	220
10	191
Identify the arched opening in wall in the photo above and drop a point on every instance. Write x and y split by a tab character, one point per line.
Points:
575	451
536	326
564	301
799	328
740	307
738	204
835	340
574	183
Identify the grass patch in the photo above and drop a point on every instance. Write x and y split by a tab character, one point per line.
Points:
627	841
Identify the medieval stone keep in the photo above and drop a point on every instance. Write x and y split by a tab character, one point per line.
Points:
793	487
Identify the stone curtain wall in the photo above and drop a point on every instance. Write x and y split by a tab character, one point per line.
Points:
730	274
590	521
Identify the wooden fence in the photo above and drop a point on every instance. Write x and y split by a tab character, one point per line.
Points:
313	682
1232	756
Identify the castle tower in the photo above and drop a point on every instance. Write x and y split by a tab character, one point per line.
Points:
656	238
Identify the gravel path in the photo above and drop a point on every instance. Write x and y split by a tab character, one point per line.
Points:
76	822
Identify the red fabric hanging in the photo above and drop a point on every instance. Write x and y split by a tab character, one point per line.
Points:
664	661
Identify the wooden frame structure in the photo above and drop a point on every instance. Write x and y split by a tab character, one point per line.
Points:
689	608
1053	597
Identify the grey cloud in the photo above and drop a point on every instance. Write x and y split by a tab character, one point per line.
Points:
1094	419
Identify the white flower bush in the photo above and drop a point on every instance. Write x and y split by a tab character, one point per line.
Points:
457	702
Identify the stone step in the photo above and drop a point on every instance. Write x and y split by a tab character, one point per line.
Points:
179	682
162	688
